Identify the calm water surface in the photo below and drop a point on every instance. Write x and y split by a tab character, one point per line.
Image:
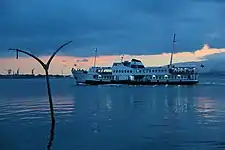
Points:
113	117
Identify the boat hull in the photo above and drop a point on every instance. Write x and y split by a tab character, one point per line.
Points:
91	82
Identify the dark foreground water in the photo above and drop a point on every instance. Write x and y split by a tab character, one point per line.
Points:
113	117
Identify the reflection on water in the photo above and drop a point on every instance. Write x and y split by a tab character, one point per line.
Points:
114	118
51	136
209	111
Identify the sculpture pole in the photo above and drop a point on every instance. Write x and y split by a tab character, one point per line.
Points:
46	68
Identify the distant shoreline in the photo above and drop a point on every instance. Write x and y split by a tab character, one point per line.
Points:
27	76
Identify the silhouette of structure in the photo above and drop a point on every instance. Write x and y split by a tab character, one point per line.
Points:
18	71
9	71
32	71
46	68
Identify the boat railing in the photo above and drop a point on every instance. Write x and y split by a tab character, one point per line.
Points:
182	70
73	69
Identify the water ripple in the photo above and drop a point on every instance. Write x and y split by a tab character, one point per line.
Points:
20	109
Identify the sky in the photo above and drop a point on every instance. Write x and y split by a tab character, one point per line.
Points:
135	28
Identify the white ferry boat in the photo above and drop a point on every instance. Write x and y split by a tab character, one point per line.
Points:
135	73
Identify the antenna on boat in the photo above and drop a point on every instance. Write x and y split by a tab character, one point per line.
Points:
95	56
174	41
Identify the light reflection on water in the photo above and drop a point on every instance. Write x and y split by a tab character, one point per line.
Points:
115	117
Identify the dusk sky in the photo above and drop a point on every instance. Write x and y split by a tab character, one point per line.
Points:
140	28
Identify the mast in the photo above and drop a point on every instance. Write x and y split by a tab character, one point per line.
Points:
174	41
95	57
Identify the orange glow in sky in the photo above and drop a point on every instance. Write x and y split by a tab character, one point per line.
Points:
63	64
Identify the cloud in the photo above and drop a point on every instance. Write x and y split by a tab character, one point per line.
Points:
116	27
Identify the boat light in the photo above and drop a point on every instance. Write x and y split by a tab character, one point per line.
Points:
131	77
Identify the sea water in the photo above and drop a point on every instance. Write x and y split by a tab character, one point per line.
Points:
112	117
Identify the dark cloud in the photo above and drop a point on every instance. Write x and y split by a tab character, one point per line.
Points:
114	26
212	63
